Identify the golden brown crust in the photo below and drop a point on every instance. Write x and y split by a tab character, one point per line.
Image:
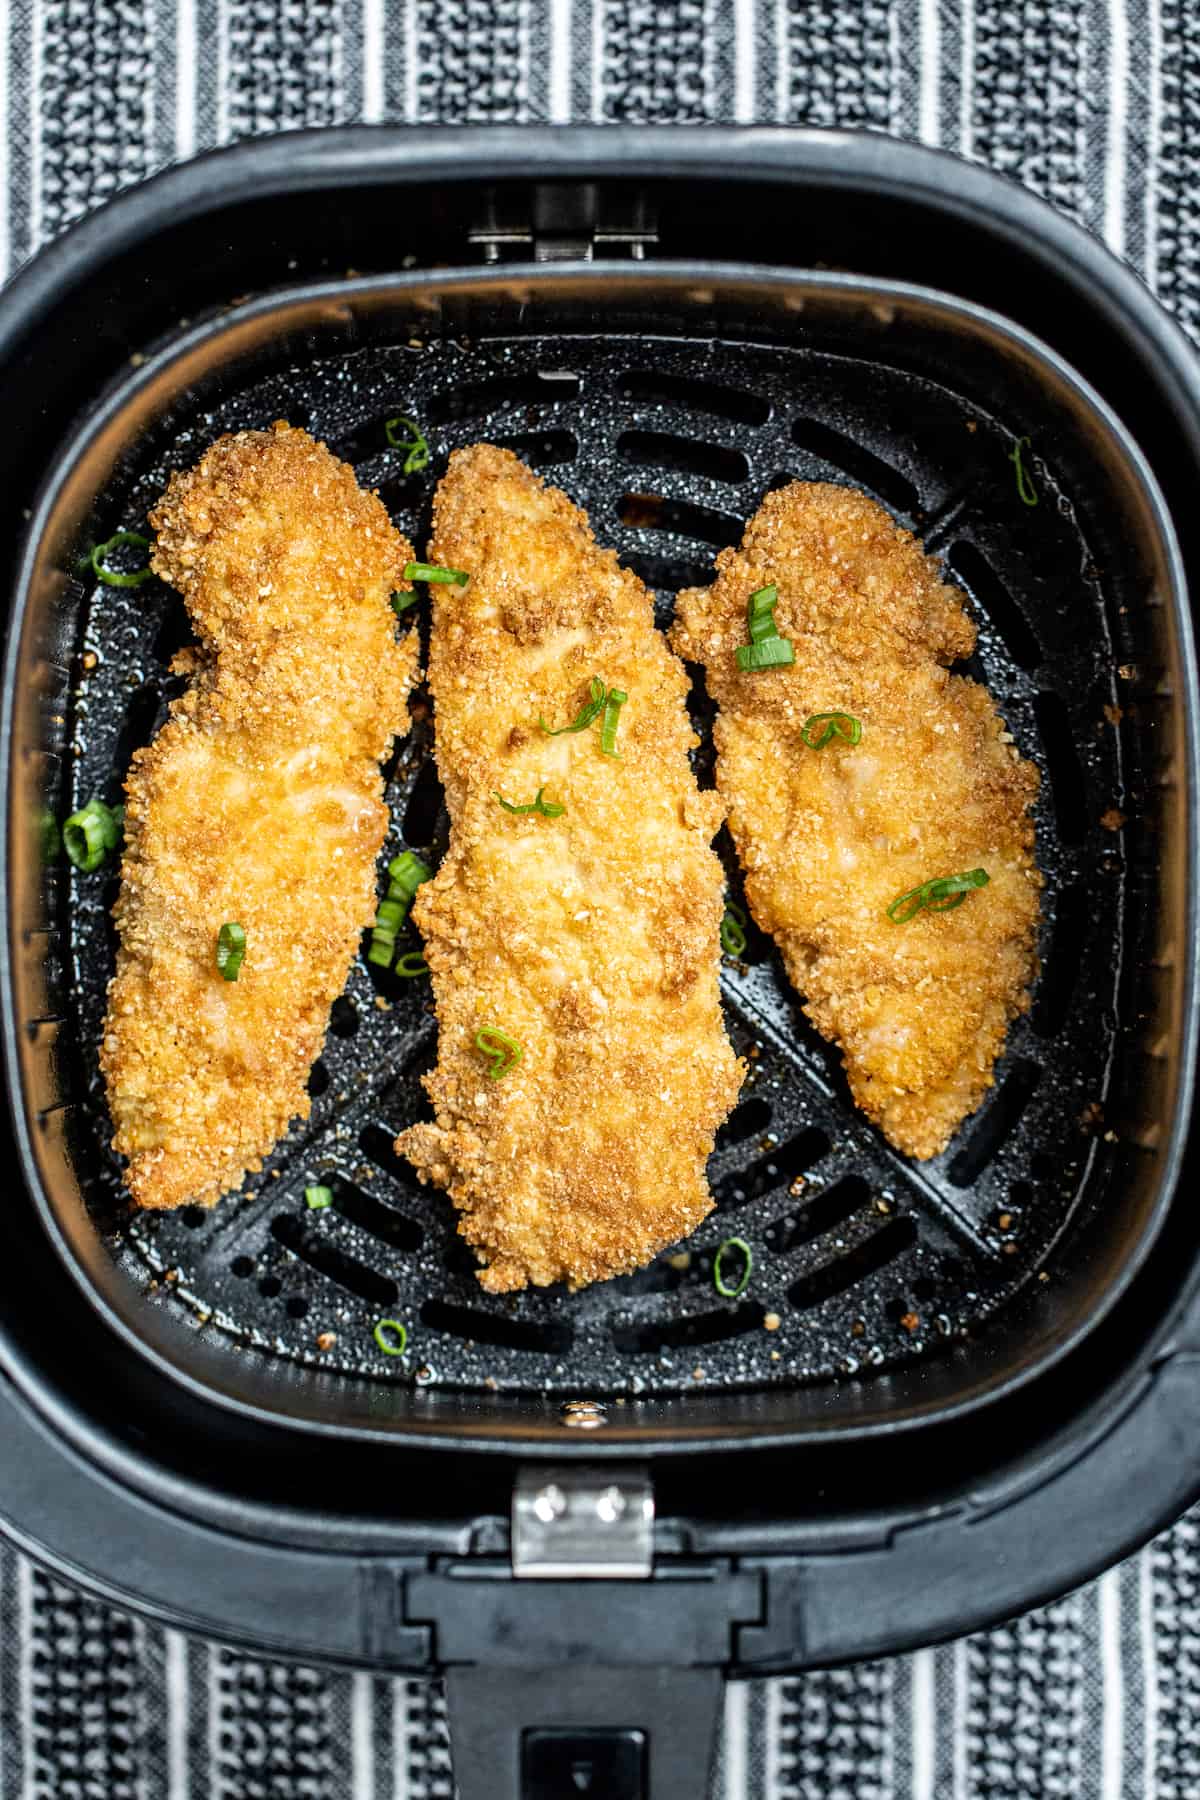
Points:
828	838
592	938
259	802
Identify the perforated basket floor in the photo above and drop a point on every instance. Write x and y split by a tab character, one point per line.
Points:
859	1257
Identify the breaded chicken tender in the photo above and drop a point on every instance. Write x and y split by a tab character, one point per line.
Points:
589	938
259	803
829	838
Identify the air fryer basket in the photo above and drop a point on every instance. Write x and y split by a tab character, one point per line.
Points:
668	407
982	1386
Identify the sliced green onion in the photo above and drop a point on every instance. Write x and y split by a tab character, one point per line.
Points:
318	1198
586	713
231	948
760	613
89	834
97	561
767	653
391	1336
549	809
612	718
505	1052
722	1286
766	649
432	572
402	602
942	894
391	916
406	872
733	930
412	439
411	965
1025	487
821	729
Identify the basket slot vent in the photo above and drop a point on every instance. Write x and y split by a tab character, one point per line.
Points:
824	1213
333	1263
655	512
1066	773
478	400
552	1336
1061	969
370	439
424	807
861	465
541	449
773	1170
846	1271
668	573
996	1122
343	1017
139	725
643	1339
655	387
992	597
318	1079
378	1143
748	1120
174	633
372	1215
683	455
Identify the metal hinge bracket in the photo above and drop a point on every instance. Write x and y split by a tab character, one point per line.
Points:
582	1520
574	221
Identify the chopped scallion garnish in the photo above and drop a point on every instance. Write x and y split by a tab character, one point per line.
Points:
942	894
89	834
97	561
766	649
391	1336
431	572
411	965
733	930
549	809
406	434
760	613
402	602
231	949
587	712
406	872
1025	487
768	653
821	729
612	718
504	1052
318	1198
723	1287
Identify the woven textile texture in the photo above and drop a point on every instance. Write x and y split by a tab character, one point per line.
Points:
1094	103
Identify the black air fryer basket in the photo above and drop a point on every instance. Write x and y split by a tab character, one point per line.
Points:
951	1389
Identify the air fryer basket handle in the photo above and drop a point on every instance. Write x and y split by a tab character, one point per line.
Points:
628	1733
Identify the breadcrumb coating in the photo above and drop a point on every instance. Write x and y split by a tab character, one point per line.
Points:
258	803
590	938
829	838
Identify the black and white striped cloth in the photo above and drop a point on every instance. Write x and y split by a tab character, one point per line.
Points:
1096	104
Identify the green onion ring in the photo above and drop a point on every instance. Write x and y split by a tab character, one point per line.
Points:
383	1334
726	1292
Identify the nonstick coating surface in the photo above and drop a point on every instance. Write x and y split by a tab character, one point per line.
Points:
860	1257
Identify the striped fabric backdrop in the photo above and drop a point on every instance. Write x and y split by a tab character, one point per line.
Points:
1096	104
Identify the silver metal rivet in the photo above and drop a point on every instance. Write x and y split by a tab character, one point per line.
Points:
610	1505
550	1504
585	1415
